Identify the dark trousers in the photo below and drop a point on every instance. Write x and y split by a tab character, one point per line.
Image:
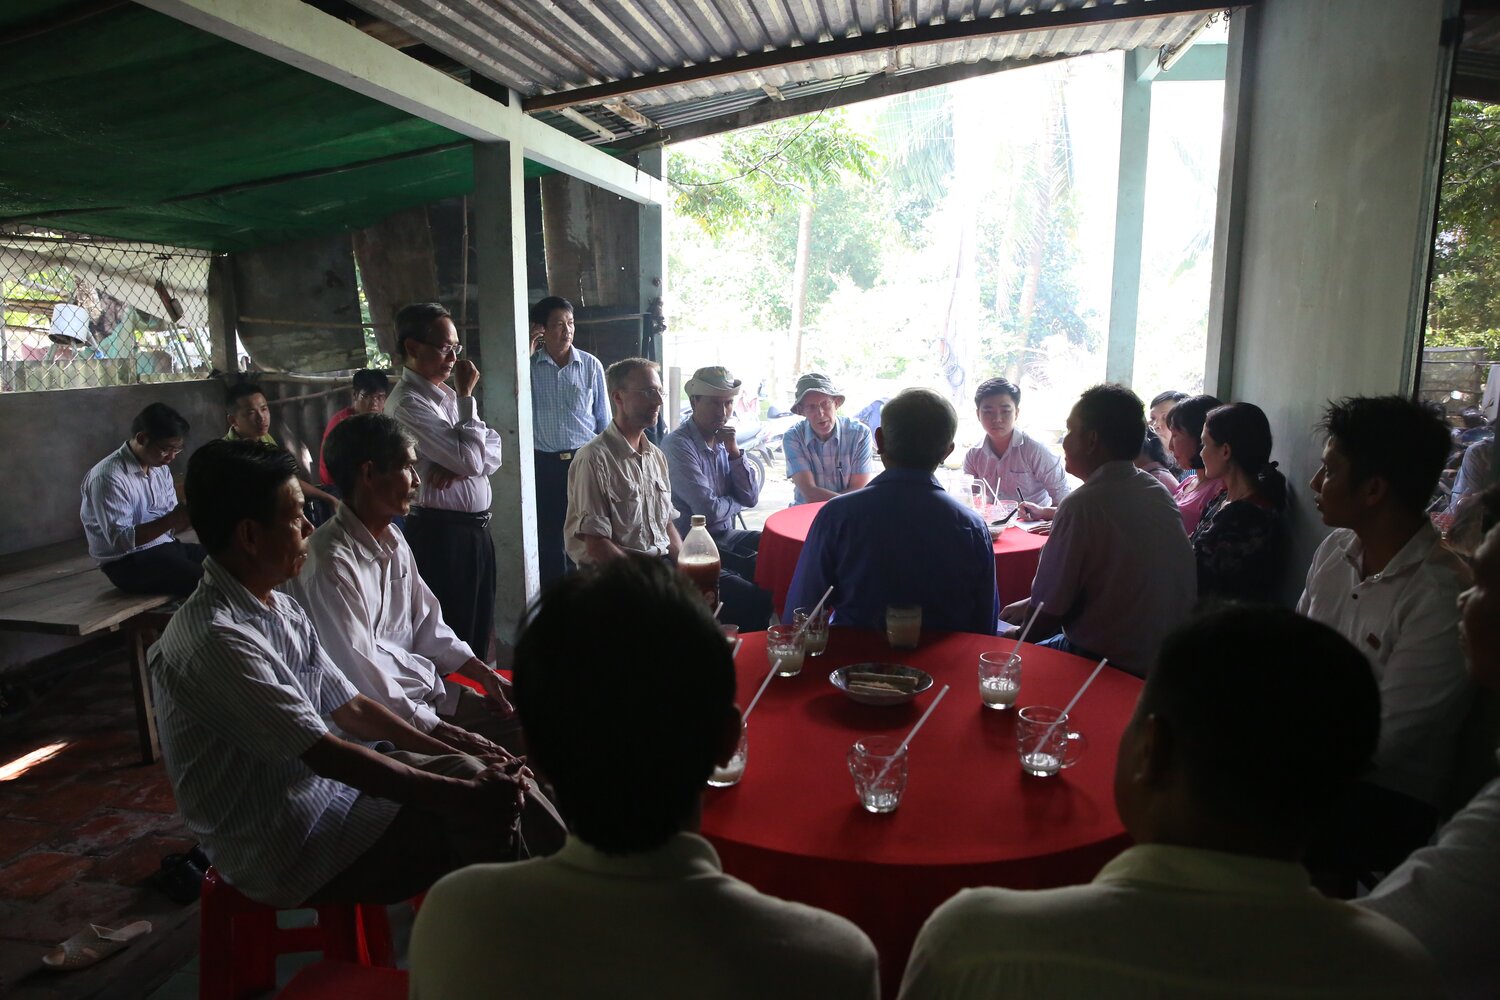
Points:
171	568
745	604
551	510
456	557
1370	831
737	551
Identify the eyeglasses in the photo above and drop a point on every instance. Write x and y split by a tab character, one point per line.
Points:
448	350
652	391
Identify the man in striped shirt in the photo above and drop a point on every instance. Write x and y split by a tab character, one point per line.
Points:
288	811
826	454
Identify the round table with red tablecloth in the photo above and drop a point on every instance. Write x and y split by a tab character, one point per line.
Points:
1017	553
793	827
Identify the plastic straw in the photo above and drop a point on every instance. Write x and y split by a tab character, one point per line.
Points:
1047	733
812	616
1026	630
763	685
907	742
718	609
736	650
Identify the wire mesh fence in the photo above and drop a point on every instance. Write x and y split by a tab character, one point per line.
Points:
80	312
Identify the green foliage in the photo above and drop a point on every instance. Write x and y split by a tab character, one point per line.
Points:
1464	306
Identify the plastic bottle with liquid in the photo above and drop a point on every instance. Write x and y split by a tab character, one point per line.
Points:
699	559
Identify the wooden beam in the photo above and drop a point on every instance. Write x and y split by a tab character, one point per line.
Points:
303	36
784	107
927	34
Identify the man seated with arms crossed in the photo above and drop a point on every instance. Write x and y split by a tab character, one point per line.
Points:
636	902
290	813
1251	722
1008	459
1448	894
1384	580
250	420
826	454
131	513
620	497
710	475
1118	571
903	539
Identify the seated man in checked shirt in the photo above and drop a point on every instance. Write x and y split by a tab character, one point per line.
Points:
291	813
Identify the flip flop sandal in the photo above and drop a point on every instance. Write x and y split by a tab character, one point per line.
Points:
93	945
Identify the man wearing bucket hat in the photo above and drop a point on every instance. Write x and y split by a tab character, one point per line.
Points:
710	475
826	454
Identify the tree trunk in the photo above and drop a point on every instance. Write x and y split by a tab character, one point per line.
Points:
799	281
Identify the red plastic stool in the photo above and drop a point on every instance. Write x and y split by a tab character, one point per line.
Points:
341	980
240	940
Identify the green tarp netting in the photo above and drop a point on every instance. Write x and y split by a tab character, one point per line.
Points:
127	123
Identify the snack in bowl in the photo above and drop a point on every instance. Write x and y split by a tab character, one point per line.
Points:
880	683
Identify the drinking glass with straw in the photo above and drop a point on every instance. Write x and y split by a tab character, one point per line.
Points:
880	790
1033	754
734	770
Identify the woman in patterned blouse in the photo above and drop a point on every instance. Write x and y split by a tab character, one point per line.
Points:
1240	543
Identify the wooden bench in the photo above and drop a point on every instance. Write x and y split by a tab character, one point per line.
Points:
68	595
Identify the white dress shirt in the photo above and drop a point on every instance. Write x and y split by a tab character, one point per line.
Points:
1026	465
1166	923
118	494
242	691
1118	568
450	434
666	923
1405	620
1448	896
377	619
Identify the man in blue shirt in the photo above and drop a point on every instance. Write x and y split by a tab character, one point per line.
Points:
826	454
710	475
903	539
569	408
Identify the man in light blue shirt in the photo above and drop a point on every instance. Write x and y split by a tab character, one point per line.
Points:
131	514
710	475
826	454
569	408
903	540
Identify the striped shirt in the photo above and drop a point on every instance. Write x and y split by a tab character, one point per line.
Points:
849	451
118	494
449	434
1027	465
242	690
569	405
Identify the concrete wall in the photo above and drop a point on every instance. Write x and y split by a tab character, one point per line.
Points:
1344	100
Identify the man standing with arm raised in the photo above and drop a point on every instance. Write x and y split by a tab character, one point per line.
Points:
448	527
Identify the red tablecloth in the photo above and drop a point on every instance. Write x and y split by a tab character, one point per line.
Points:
1016	554
793	827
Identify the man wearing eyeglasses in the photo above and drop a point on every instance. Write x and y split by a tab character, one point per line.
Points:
448	527
131	512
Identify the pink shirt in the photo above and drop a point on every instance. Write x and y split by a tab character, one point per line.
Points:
1191	500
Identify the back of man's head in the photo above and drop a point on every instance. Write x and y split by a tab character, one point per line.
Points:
368	437
229	481
1403	442
1117	415
916	429
159	422
1269	716
626	688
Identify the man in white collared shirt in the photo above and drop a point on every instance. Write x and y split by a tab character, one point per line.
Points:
1009	460
1385	581
448	527
1224	769
1118	572
131	514
636	903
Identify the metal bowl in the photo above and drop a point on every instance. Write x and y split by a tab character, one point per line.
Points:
839	679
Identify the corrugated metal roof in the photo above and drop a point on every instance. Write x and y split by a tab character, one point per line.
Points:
550	46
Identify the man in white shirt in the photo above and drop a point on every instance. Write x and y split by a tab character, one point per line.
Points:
1385	581
448	527
628	728
1222	773
1009	460
1118	572
1448	895
131	514
288	811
